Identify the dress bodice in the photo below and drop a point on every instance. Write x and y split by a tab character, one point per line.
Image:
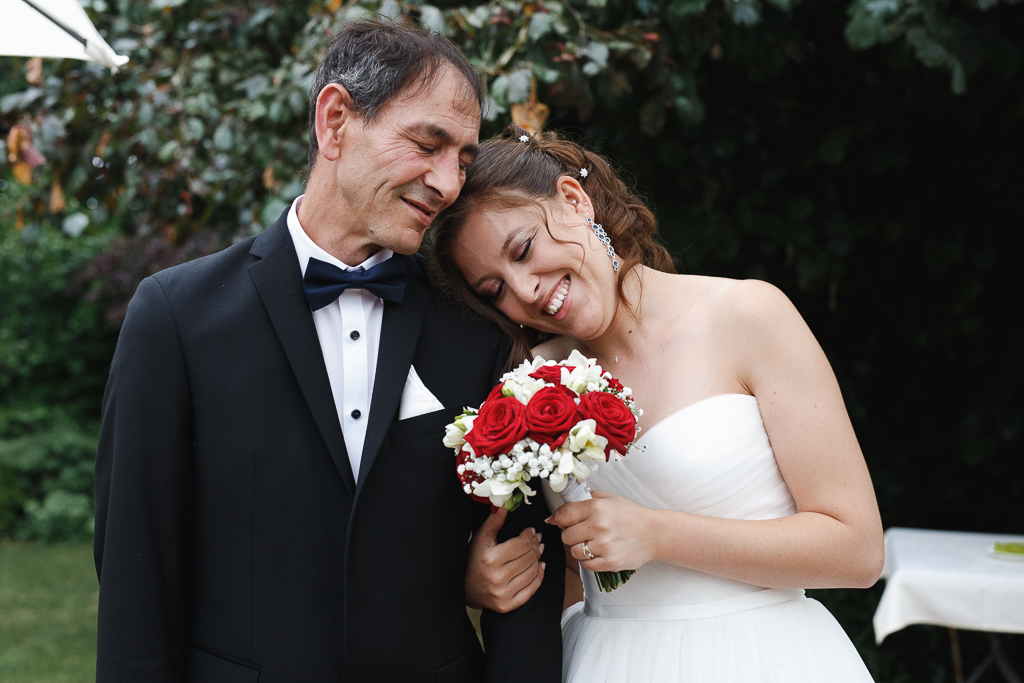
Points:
711	458
668	624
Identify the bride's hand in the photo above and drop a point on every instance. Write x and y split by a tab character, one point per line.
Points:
617	532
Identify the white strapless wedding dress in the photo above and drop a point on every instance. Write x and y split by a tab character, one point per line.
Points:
674	625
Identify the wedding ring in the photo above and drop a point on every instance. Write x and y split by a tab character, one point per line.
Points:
586	551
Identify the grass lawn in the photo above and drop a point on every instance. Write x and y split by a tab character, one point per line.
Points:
48	600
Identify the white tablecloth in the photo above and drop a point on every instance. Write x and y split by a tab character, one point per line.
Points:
949	578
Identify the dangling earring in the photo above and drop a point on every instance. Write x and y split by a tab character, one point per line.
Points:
603	236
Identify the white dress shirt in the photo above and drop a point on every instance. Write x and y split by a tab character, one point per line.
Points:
349	332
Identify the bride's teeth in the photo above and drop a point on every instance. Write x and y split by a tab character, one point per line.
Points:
558	300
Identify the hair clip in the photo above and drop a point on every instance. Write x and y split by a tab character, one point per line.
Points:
584	173
524	138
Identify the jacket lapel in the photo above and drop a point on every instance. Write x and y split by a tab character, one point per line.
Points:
278	279
399	334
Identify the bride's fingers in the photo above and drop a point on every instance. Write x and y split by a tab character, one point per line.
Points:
570	513
577	533
597	564
579	554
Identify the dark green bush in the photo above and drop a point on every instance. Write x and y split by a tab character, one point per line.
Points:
55	347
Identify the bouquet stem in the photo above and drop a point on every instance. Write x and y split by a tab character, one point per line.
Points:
609	581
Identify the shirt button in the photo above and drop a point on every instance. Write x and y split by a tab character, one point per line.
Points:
356	414
354	335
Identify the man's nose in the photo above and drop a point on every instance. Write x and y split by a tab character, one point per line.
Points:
446	178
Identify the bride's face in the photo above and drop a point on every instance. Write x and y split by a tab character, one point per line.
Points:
560	282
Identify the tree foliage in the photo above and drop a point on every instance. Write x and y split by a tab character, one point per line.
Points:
862	156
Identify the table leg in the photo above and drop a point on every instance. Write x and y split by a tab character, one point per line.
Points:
982	668
1002	663
958	665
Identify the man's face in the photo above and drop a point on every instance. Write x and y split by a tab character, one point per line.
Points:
395	174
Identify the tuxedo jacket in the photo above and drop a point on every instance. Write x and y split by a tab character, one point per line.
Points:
233	544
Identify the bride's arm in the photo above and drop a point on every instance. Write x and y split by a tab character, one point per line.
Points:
834	540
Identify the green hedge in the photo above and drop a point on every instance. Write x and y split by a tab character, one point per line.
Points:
55	346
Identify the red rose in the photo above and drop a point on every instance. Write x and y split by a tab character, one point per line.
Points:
469	477
614	420
550	414
614	384
495	393
551	373
500	424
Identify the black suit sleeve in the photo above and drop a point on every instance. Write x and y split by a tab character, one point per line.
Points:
144	470
526	644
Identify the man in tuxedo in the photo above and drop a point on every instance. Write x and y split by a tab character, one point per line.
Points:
273	499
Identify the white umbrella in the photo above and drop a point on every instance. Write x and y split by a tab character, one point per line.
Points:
53	28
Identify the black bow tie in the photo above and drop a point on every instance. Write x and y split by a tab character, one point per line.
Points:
324	282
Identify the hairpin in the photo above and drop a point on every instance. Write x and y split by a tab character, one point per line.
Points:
524	138
584	173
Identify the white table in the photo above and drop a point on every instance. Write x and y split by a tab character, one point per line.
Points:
951	578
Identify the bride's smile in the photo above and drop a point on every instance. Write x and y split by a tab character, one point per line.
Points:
541	265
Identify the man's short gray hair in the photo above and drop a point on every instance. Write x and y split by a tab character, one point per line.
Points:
376	60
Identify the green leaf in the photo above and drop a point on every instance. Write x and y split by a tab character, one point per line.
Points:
652	117
168	151
743	12
540	24
518	88
272	210
683	8
833	149
223	139
432	19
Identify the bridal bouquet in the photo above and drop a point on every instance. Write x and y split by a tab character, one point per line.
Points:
545	420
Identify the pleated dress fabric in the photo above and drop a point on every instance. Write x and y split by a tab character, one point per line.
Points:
668	624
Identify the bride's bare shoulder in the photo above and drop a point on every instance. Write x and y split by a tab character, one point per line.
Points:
750	305
557	348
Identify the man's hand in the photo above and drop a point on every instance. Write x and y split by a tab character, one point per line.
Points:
503	576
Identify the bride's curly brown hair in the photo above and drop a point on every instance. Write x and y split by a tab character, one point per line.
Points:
511	173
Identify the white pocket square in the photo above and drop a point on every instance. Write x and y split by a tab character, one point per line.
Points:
416	398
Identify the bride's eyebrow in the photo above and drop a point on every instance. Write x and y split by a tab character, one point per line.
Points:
508	239
504	249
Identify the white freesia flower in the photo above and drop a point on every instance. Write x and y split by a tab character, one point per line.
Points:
454	436
576	358
565	463
498	491
522	373
584	440
586	373
582	470
525	390
455	433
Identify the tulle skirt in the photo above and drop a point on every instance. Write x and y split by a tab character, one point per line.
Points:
793	641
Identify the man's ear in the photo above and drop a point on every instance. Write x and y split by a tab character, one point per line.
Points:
333	113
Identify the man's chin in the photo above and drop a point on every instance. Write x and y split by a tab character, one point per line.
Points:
405	241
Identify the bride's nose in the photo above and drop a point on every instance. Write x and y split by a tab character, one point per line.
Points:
525	286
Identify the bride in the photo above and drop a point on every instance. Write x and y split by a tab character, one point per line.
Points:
749	485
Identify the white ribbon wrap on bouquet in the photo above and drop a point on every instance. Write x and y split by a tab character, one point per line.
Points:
574	492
